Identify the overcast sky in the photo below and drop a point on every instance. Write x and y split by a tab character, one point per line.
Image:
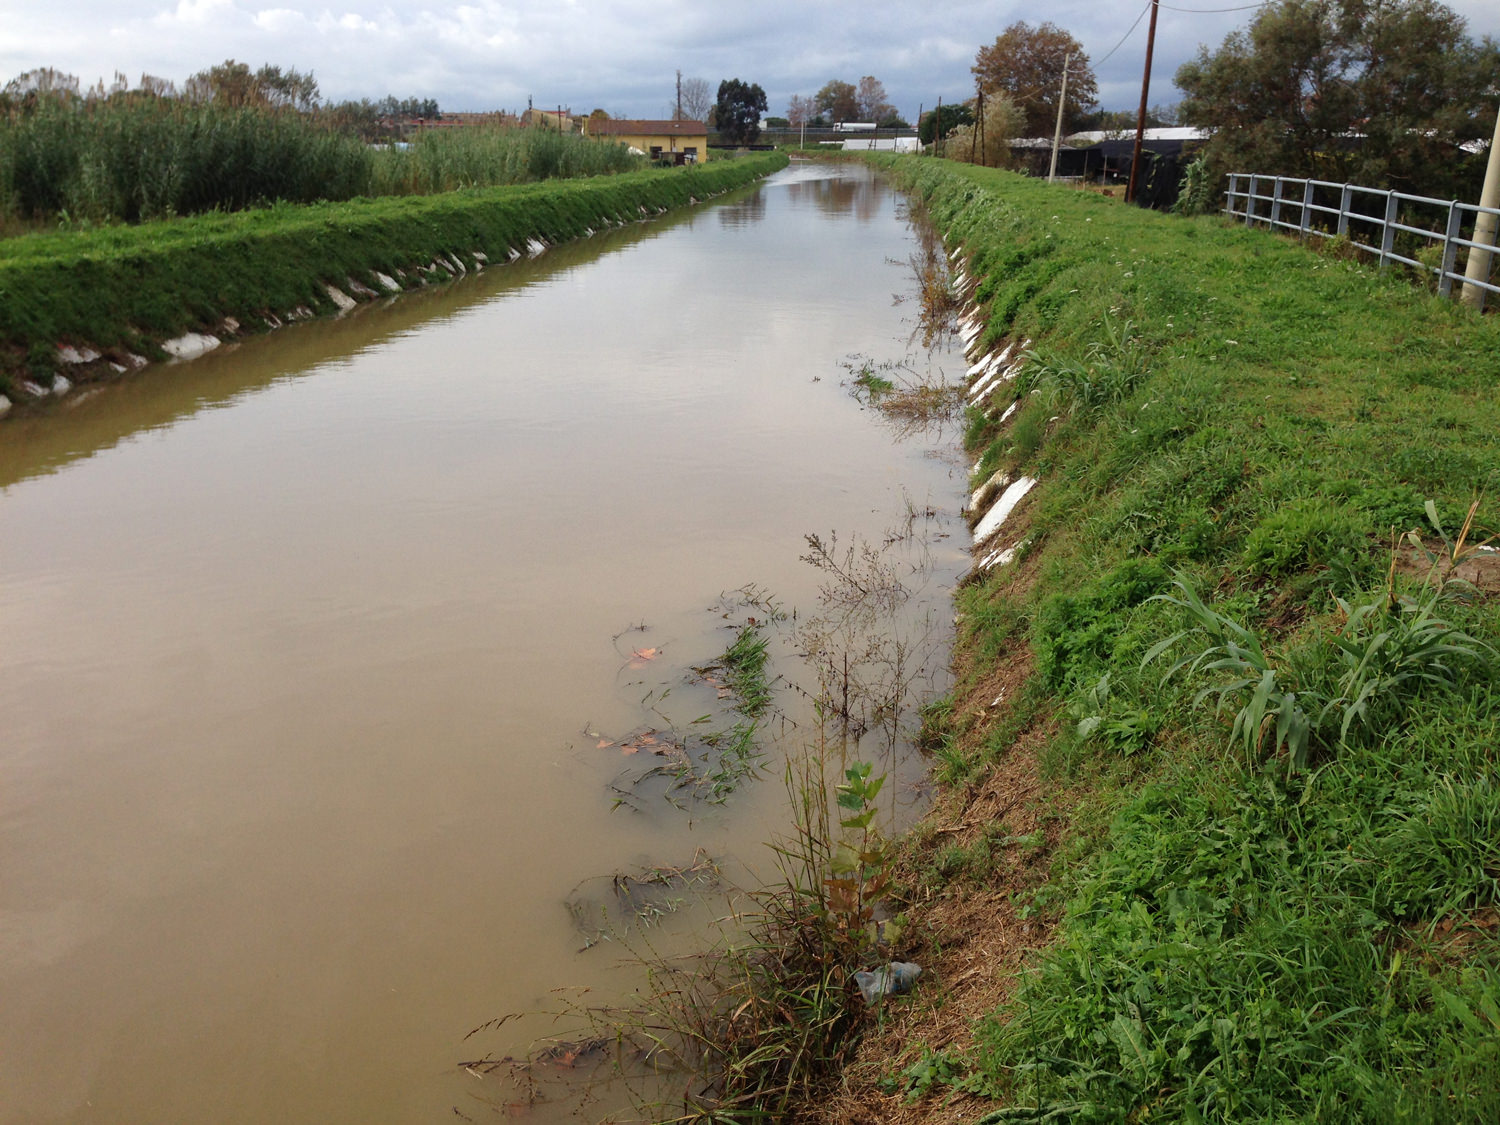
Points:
619	55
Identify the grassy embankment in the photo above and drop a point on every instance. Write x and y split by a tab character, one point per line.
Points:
126	288
1220	839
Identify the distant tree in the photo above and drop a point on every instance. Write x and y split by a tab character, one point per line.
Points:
932	126
598	115
737	111
1112	122
839	100
158	87
233	84
44	82
1376	92
408	109
696	100
361	119
870	100
1026	63
290	89
800	111
778	122
230	83
989	145
1165	116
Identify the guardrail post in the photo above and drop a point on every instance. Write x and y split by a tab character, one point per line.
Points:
1388	231
1450	248
1307	203
1344	200
1276	202
1229	193
1250	202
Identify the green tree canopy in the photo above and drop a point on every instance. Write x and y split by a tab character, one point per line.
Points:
737	111
1375	92
1026	64
949	117
839	100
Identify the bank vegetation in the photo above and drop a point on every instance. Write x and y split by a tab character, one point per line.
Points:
118	292
1219	833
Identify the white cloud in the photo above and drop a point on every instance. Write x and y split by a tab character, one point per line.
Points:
619	54
197	13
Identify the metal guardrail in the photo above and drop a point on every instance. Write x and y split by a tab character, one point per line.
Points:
1308	207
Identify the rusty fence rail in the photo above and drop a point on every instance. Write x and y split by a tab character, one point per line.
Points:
1372	219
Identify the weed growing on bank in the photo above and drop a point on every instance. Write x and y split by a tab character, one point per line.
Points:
1257	592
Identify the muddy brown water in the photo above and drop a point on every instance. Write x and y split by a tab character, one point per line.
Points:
308	649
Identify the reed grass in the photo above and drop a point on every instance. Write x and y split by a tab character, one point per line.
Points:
451	159
141	157
137	157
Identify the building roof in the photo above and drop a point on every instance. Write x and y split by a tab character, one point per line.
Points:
619	126
1174	133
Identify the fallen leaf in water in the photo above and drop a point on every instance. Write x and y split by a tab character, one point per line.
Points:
604	744
642	655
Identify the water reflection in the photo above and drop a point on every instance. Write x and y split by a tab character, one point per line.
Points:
320	656
100	416
842	196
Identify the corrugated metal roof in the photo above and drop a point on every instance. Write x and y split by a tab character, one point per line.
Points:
619	126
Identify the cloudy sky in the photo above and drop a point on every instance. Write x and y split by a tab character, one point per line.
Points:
620	55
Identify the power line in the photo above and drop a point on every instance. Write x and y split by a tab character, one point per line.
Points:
1128	34
1211	11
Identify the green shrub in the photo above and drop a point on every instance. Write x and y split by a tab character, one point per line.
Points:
1076	636
1304	535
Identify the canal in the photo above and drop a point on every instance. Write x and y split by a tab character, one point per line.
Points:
343	671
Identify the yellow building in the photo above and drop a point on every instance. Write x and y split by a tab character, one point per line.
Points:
682	142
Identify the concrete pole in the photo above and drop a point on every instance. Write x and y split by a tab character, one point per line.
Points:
1478	268
1062	100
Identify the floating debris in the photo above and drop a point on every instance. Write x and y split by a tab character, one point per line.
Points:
610	907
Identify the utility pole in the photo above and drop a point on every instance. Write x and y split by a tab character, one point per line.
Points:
937	129
979	127
1140	121
1478	268
679	95
1062	100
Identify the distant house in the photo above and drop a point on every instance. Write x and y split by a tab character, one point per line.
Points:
682	142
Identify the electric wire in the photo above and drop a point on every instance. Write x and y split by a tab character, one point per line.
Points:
1127	35
1210	11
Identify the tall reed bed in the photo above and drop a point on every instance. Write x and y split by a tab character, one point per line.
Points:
137	158
143	158
449	159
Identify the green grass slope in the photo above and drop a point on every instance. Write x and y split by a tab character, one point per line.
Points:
1278	901
130	286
